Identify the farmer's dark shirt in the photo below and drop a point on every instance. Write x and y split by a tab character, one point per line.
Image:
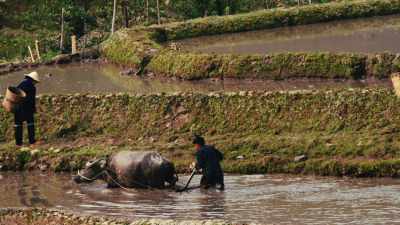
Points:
208	159
28	107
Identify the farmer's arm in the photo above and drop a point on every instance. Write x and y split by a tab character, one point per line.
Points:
200	160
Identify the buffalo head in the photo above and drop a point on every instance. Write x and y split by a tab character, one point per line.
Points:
92	171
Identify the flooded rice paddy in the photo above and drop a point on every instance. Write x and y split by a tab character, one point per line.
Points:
370	35
275	199
106	78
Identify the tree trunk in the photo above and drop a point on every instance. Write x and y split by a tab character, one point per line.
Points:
147	11
126	12
220	7
232	6
113	17
62	31
158	12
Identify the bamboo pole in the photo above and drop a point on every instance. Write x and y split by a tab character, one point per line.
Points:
31	53
62	31
396	83
37	50
73	44
84	39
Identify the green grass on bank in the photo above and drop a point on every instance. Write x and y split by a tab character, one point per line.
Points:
342	133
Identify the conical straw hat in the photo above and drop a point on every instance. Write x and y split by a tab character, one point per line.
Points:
34	75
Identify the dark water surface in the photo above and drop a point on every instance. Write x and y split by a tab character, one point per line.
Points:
369	35
276	199
106	78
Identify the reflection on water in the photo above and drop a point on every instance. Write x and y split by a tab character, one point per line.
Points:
275	199
360	35
105	78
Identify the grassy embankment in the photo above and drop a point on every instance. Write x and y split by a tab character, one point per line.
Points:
348	133
130	46
46	217
345	133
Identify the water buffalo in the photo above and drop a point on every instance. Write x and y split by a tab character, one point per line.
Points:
130	169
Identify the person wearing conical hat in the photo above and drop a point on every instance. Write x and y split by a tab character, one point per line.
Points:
27	109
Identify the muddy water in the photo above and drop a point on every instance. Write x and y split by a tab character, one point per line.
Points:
361	35
275	199
105	78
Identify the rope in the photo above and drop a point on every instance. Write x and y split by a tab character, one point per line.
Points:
125	188
90	179
112	179
106	173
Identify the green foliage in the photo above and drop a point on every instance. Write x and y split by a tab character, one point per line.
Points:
28	21
130	47
39	14
23	157
14	43
190	9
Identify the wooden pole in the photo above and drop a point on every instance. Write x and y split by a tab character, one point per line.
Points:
158	12
113	18
37	50
396	83
62	31
147	11
188	182
30	52
73	44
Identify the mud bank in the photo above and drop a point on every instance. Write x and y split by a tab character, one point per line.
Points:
141	47
341	133
87	55
192	66
46	216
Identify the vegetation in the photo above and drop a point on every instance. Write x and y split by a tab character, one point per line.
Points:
281	17
23	22
32	216
276	66
128	46
342	133
90	21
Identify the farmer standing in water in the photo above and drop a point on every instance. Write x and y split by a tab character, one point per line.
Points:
208	161
27	109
